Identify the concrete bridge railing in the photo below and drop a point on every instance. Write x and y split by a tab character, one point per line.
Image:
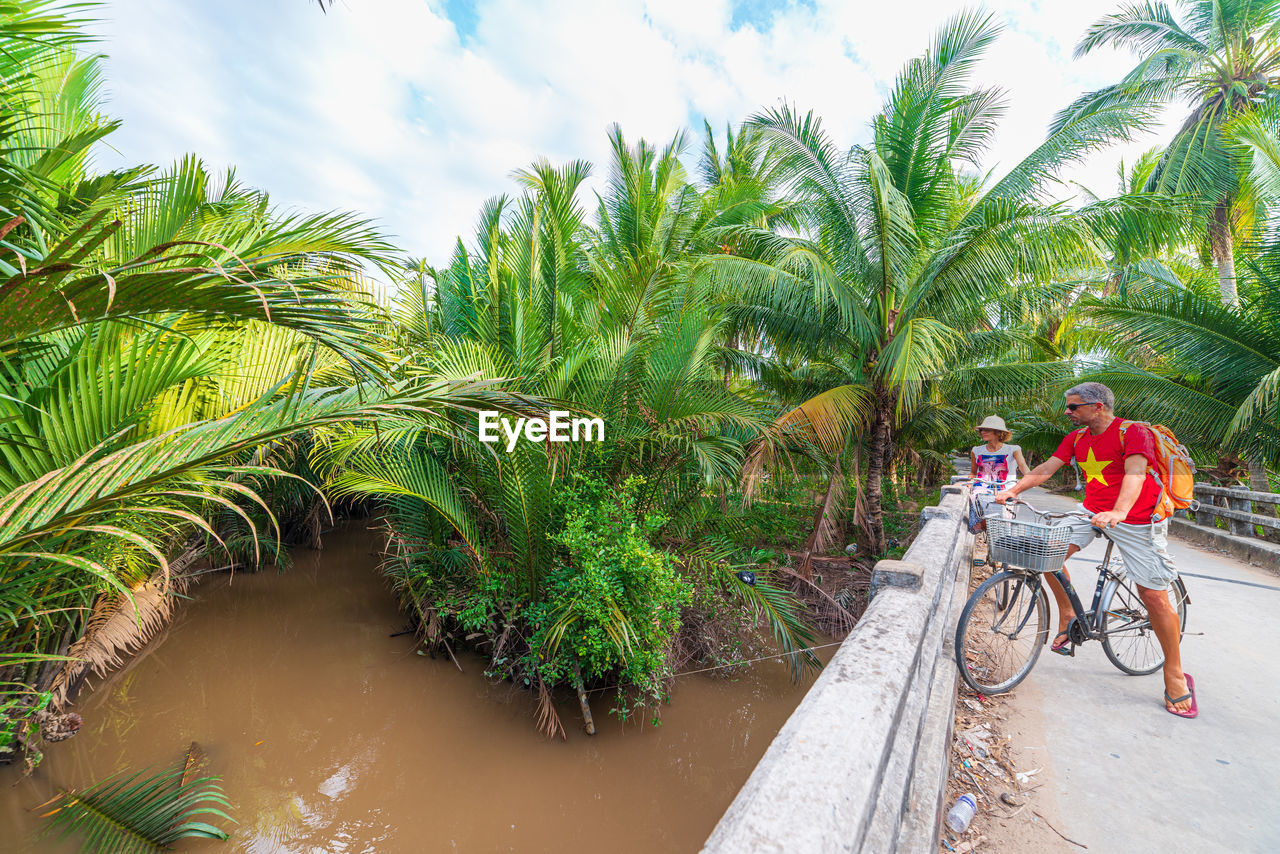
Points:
861	765
1238	506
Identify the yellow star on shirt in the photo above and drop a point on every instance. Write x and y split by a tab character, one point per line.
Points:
1092	469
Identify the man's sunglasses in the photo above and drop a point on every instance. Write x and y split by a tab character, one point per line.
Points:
1074	406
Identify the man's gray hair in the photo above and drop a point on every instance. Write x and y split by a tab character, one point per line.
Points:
1094	393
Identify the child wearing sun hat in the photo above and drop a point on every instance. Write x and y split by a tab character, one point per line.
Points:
994	466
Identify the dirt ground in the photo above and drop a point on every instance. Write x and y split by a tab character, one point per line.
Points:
998	756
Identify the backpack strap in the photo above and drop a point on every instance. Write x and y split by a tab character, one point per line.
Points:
1075	443
1124	428
1153	470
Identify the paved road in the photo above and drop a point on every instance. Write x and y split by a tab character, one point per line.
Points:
1129	777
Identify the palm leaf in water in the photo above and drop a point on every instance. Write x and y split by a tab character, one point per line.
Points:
131	813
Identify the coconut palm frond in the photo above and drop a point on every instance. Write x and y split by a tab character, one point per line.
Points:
136	813
775	605
1224	60
408	471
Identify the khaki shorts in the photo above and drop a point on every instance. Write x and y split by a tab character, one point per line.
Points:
1144	548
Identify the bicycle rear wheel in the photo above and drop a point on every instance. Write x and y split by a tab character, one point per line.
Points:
1127	637
1002	628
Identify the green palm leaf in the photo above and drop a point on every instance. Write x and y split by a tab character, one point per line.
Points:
134	813
776	606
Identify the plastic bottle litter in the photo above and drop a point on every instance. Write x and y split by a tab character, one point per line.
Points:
962	813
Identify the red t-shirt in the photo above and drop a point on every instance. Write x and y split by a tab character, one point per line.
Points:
1101	460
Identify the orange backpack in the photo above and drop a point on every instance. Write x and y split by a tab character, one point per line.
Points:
1172	468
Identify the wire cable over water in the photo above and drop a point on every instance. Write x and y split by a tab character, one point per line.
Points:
779	656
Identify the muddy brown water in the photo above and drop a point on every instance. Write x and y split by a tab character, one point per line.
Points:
331	736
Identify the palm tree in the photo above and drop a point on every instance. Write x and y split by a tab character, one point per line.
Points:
608	318
1222	57
909	264
1211	369
160	334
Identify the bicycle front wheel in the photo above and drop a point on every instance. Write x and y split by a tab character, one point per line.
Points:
1127	637
1002	628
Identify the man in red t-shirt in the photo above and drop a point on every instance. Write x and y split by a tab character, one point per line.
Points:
1122	493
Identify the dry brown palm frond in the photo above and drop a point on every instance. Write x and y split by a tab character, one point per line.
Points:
859	509
826	521
500	646
119	626
753	471
314	524
835	618
548	718
430	627
706	638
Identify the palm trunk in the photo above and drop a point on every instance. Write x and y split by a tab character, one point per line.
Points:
1222	247
879	452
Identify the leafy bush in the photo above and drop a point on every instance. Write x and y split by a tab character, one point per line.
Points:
611	607
19	730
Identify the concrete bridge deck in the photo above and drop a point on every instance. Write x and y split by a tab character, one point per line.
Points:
1125	776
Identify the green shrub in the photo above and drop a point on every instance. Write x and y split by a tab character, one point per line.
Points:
611	607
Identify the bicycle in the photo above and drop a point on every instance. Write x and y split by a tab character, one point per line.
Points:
1005	622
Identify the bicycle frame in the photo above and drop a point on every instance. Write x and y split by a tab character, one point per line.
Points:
1090	621
994	622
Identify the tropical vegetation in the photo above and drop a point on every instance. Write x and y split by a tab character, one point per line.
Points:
190	374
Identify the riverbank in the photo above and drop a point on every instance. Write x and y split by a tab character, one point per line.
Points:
332	735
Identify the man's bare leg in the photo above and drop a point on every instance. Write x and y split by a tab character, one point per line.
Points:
1164	620
1066	613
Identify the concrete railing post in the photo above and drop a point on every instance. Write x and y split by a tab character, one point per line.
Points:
1203	516
1244	505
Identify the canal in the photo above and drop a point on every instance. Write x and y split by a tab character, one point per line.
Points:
330	735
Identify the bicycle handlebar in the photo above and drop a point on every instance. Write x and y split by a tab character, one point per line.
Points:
1049	514
1045	514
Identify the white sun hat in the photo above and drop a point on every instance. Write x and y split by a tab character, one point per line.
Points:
993	422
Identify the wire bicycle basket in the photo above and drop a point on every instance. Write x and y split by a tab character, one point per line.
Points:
1031	545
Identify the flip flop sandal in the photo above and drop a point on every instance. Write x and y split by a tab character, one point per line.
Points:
1061	647
1192	712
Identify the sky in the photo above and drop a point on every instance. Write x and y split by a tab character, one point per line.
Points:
413	112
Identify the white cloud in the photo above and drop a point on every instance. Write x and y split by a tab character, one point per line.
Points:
383	107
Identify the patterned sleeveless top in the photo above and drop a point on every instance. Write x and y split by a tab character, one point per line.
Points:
996	470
